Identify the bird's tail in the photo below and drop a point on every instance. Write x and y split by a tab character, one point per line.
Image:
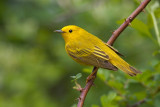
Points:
124	66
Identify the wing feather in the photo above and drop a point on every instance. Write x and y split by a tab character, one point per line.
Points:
95	57
99	53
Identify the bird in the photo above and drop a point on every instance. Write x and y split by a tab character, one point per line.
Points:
87	49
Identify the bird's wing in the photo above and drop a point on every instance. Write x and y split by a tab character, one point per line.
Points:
78	53
115	50
100	53
96	52
95	57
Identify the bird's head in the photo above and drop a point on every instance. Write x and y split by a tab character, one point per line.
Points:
69	32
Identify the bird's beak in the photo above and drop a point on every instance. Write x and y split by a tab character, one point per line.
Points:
59	31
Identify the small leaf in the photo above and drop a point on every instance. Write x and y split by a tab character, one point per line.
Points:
79	75
74	77
104	100
74	105
103	74
108	100
112	95
118	98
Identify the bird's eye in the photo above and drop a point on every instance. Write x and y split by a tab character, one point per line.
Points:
70	31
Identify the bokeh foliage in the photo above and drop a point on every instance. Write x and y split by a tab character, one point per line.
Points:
35	69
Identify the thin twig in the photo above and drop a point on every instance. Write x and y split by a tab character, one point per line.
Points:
86	89
138	103
112	39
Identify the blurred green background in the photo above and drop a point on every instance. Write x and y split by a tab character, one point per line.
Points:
35	69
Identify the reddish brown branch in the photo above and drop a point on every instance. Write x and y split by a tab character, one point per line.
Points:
114	36
86	89
127	21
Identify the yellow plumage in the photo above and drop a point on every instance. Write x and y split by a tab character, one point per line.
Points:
88	49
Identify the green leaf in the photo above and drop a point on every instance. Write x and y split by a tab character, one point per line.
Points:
146	77
74	77
103	74
112	95
117	85
108	100
74	105
141	27
157	12
118	98
138	88
104	100
141	95
79	75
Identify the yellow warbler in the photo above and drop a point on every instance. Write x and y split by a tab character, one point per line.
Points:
88	49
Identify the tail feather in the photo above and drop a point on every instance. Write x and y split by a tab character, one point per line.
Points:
134	70
125	67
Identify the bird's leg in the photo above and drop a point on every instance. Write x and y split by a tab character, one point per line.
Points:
93	74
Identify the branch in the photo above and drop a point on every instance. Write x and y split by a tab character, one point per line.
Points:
112	39
127	21
138	103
